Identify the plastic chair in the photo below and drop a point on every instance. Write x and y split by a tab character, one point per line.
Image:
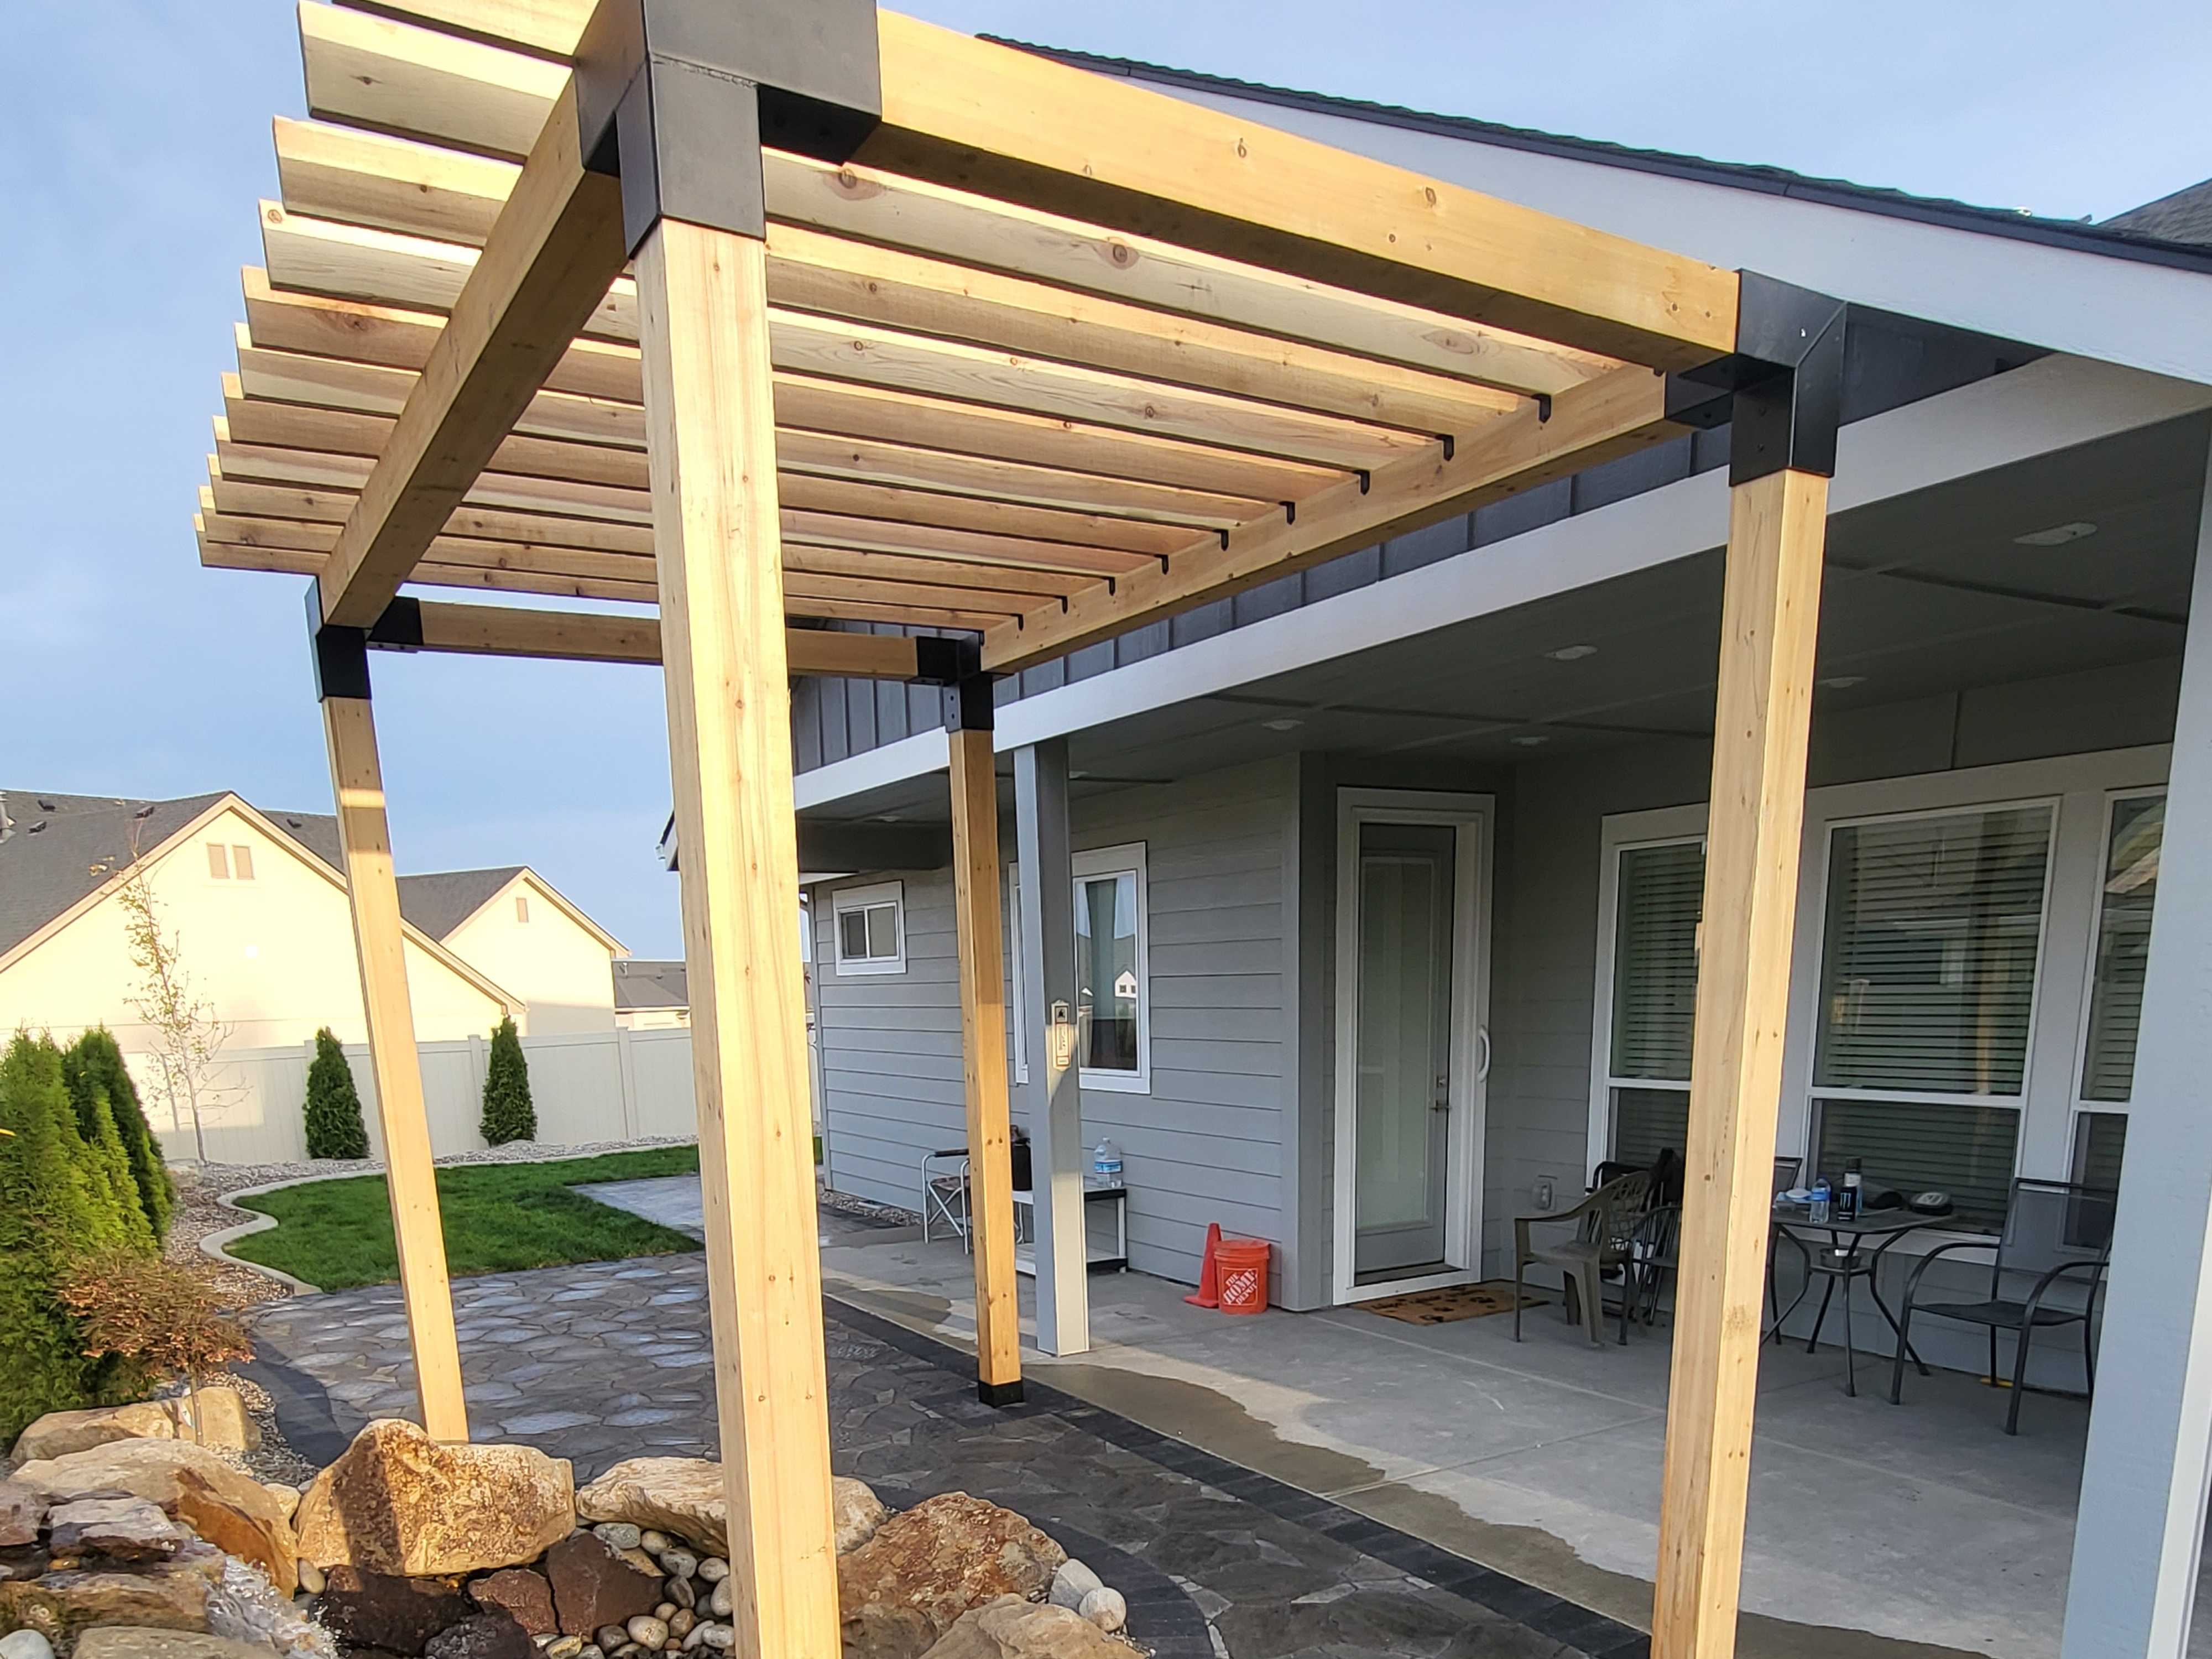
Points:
1606	1224
2053	1229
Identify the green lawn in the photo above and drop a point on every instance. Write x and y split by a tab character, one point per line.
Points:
499	1217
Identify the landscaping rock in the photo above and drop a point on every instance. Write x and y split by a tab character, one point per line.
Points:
594	1588
663	1494
26	1561
523	1595
397	1502
61	1604
619	1534
678	1563
21	1511
215	1417
59	1433
855	1512
647	1631
120	1529
1072	1583
1010	1628
396	1614
487	1635
927	1566
26	1645
713	1569
564	1646
312	1582
246	1609
721	1601
683	1592
1105	1607
287	1497
231	1511
137	1642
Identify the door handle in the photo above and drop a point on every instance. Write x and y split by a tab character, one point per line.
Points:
1481	1053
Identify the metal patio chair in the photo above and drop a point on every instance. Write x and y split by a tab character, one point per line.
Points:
1606	1224
2054	1230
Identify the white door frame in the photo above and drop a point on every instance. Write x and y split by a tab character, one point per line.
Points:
1470	1058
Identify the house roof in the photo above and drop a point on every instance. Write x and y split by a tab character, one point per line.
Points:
2179	238
645	984
57	849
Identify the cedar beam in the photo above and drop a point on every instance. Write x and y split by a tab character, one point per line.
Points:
712	443
373	895
979	910
557	247
498	631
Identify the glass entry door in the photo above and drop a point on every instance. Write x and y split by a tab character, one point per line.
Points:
1405	873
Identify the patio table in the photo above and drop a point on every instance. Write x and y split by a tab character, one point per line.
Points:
1843	1258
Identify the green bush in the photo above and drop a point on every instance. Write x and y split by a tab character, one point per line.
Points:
334	1125
47	1219
508	1112
93	1068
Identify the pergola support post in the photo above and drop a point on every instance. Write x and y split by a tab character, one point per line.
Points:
2138	1536
978	912
381	947
1055	1094
1786	383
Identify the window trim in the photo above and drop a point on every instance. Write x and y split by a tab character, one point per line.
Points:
2077	1099
848	899
218	852
1127	858
1017	1000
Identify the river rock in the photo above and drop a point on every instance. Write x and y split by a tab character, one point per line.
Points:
487	1635
855	1512
26	1645
1106	1608
1072	1583
136	1642
928	1565
120	1528
397	1502
395	1614
721	1600
619	1535
22	1512
61	1604
678	1563
713	1569
1010	1628
683	1592
647	1631
595	1587
524	1596
231	1511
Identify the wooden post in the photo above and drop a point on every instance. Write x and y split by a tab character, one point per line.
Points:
410	1178
1770	619
978	907
711	439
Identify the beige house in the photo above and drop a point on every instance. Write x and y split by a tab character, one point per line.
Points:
258	910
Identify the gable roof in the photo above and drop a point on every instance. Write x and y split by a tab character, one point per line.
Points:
2183	216
648	984
442	900
2151	240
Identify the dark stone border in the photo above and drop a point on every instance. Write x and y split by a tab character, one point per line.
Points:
1162	1615
1593	1633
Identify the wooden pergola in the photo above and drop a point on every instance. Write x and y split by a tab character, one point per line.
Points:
769	312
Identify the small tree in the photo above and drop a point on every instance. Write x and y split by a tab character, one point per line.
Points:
44	1220
94	1067
159	1319
334	1125
188	1038
508	1112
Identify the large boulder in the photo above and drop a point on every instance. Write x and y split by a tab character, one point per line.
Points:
595	1584
903	1588
397	1502
684	1495
61	1604
214	1416
219	1420
393	1615
231	1511
120	1529
1010	1628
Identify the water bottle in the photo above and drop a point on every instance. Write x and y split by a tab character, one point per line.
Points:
1106	1163
1820	1210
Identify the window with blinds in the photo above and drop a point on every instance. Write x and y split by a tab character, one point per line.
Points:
2130	883
1647	1121
2099	1138
1658	898
1927	961
1923	1145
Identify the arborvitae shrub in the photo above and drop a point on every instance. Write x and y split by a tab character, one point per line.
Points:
46	1222
508	1112
94	1067
334	1125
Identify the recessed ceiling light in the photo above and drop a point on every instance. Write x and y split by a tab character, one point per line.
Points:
1571	653
2058	536
1528	740
1286	723
1843	682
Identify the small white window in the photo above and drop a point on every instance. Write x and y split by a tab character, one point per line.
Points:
241	863
218	860
870	924
522	907
1113	982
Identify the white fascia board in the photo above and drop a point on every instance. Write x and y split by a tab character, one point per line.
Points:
2051	404
2152	317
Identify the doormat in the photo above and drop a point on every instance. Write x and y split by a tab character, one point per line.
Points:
1453	1301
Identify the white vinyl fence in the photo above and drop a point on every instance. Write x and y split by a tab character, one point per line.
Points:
587	1086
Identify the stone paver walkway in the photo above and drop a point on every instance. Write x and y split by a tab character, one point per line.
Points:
609	1360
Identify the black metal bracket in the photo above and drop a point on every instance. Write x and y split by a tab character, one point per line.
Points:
400	626
968	705
340	655
675	97
1000	1394
1781	390
941	661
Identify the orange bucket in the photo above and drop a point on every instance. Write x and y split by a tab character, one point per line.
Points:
1243	1267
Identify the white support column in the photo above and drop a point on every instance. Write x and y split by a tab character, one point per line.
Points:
2140	1532
1054	1093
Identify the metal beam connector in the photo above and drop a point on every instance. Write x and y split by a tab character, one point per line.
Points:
969	704
340	655
1781	390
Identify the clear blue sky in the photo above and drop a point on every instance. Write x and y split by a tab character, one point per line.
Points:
134	141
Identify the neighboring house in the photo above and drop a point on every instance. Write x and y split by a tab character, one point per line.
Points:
650	996
259	909
1388	873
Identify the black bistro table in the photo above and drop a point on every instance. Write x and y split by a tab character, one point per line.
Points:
1838	1250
